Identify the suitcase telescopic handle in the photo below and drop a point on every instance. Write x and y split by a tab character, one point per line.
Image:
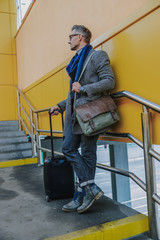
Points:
50	122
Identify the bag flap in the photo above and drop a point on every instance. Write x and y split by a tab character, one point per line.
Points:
95	107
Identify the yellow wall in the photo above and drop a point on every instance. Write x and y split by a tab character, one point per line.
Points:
134	53
8	67
134	50
42	40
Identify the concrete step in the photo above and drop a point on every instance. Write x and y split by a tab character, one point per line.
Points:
11	140
15	147
12	134
16	155
9	123
9	128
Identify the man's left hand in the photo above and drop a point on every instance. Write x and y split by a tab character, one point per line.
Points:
75	87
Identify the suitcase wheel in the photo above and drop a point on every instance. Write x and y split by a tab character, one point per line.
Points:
47	198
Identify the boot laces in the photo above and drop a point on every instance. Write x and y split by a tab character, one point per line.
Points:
78	194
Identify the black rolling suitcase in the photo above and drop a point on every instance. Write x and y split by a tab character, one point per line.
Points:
58	175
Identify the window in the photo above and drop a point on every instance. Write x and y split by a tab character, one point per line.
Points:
22	7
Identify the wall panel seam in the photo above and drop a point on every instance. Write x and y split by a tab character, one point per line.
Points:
5	85
8	54
8	13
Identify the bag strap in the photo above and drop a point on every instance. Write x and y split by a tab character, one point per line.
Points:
86	63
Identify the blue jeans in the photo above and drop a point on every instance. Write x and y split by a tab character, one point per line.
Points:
84	164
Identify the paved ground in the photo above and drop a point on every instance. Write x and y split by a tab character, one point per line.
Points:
25	215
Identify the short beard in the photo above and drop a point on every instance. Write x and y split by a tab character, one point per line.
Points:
74	48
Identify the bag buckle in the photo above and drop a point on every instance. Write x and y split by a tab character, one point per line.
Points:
114	115
91	123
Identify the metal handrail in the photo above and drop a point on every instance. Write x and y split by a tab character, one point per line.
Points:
33	126
42	110
131	175
137	99
48	131
148	151
124	173
21	93
152	197
153	153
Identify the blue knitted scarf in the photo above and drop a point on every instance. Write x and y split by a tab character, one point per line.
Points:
76	64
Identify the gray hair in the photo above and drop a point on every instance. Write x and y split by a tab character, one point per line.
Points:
84	31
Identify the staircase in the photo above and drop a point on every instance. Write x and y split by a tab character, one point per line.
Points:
14	143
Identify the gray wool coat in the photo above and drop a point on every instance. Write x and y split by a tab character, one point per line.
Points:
96	79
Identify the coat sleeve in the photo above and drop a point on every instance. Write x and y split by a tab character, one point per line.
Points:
106	80
62	105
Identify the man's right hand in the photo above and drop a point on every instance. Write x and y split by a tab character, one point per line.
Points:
54	110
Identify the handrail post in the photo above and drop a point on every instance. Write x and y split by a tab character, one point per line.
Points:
37	137
32	133
150	176
18	103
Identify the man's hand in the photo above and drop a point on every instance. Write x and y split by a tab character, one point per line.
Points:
54	110
75	87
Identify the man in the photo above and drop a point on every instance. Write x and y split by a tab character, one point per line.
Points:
96	79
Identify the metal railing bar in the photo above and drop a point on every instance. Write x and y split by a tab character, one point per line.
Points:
135	140
48	131
124	173
18	100
131	175
153	153
123	135
26	115
156	198
58	153
33	125
42	110
21	93
24	112
115	135
48	150
32	132
43	149
127	94
34	141
27	129
112	169
138	181
138	99
25	126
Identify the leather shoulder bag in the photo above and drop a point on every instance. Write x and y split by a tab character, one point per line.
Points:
96	116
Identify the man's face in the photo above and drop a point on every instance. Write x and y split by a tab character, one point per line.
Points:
74	40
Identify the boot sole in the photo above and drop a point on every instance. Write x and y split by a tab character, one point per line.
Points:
100	194
69	210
